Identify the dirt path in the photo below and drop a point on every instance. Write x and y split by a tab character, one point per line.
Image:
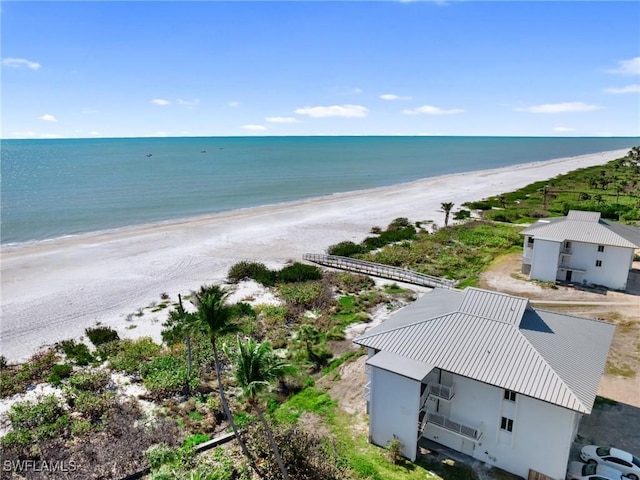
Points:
621	382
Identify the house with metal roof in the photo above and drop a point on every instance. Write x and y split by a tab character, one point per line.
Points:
485	374
580	248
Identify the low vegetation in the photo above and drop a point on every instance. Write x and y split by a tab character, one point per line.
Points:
611	189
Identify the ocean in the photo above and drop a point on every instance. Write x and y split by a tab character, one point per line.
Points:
54	188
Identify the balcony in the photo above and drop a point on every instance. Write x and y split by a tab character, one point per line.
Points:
437	390
566	251
453	426
367	391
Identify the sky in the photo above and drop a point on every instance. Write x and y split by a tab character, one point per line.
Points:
207	68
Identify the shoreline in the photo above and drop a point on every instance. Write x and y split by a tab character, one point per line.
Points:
214	216
53	289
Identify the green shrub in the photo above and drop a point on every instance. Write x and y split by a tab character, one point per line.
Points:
299	272
196	439
60	371
398	224
242	419
246	269
130	355
44	419
166	375
78	352
346	249
161	454
462	214
394	450
101	335
91	405
89	381
300	293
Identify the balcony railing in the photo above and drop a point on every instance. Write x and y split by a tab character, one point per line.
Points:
453	426
565	251
367	391
443	392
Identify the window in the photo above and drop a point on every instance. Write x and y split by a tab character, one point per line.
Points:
601	248
567	244
530	241
598	263
510	395
617	460
506	424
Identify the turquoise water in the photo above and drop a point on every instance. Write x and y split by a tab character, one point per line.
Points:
52	188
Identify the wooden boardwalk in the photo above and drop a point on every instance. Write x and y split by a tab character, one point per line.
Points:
379	270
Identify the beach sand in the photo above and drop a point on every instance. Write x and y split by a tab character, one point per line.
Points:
53	290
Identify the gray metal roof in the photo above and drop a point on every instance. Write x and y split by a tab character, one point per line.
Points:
583	216
576	348
540	356
404	366
493	305
585	227
434	303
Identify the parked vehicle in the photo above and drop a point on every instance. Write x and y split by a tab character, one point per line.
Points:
622	461
592	471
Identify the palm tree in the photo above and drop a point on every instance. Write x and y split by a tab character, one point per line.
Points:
182	325
256	367
446	208
216	317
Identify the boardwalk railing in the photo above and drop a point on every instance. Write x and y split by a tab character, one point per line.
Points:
379	270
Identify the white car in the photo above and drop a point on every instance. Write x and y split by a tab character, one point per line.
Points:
592	471
622	461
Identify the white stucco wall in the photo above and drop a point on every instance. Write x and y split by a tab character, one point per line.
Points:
613	273
393	410
616	263
541	436
544	262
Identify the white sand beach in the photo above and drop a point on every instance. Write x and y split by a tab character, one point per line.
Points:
53	290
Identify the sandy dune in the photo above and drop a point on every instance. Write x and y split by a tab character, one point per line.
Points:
53	290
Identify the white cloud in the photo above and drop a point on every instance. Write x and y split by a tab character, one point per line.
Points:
282	120
346	111
627	67
357	90
48	118
50	135
393	96
560	107
254	128
189	103
160	101
93	132
633	88
233	104
19	63
28	133
564	129
431	110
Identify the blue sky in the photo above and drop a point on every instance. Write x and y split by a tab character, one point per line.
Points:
135	69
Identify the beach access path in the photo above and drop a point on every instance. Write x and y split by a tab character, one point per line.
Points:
53	290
